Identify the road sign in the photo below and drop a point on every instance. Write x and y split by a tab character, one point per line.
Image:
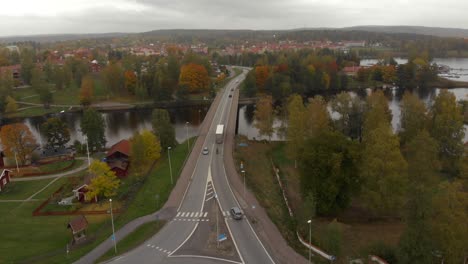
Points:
113	237
222	237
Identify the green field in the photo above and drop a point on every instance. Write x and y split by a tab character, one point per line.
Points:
44	238
22	190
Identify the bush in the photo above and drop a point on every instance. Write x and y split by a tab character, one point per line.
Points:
382	250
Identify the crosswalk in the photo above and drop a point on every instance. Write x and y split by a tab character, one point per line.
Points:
192	216
152	246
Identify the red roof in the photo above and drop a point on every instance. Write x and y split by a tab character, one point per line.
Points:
78	224
123	146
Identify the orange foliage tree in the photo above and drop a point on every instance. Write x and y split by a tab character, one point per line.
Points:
17	138
130	81
194	77
261	75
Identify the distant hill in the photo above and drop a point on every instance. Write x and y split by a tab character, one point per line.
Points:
58	37
433	31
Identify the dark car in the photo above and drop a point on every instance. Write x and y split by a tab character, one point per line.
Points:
236	213
230	95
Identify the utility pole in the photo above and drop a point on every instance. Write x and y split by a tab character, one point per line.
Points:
310	238
113	230
217	224
170	164
188	139
243	172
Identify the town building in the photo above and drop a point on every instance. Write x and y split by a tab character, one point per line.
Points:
118	158
4	179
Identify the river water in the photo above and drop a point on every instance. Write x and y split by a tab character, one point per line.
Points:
123	124
246	124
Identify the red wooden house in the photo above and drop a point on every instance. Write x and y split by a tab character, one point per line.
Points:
2	163
4	179
118	158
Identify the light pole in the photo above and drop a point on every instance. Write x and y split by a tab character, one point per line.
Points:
310	237
188	140
87	150
243	172
170	164
113	230
199	116
16	159
217	225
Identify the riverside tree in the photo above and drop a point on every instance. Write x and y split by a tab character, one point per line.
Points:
163	128
17	140
413	117
56	132
145	150
264	117
92	126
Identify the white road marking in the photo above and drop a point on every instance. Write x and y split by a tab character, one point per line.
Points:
205	214
149	245
191	215
196	214
178	214
183	214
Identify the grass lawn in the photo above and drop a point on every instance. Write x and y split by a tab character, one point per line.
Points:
22	190
357	235
35	111
54	236
134	239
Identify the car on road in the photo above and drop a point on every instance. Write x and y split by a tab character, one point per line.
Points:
236	213
230	95
232	89
205	151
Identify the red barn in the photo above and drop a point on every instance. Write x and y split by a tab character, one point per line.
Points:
2	163
4	179
118	158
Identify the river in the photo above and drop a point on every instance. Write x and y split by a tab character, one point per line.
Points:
123	124
246	123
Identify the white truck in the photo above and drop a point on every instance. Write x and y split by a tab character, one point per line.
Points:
219	134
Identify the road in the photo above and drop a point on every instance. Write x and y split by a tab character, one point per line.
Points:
174	242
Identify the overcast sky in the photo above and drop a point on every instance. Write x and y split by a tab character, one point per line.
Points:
25	17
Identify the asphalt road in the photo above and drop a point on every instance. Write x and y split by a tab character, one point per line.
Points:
165	246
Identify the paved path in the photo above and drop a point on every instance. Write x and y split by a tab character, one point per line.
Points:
19	201
58	175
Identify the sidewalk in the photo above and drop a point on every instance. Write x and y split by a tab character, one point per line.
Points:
58	175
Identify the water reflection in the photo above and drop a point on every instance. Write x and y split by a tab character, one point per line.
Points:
123	124
246	122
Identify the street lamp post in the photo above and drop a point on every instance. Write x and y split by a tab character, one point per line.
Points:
170	164
113	230
217	225
199	116
87	150
188	139
310	238
243	172
16	160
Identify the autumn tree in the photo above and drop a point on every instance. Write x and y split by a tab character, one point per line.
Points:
423	164
377	112
146	149
447	128
113	78
27	65
86	90
296	130
56	132
104	183
130	81
264	117
17	139
163	128
11	105
249	87
41	87
318	118
92	126
195	77
448	223
413	117
383	171
261	75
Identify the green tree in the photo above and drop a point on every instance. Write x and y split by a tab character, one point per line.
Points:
163	128
447	128
264	117
249	87
296	130
377	112
318	120
329	169
86	90
41	87
56	132
113	78
104	183
350	110
92	126
423	164
413	117
383	171
449	225
27	65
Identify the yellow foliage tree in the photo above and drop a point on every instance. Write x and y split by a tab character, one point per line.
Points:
261	75
104	183
146	149
11	105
